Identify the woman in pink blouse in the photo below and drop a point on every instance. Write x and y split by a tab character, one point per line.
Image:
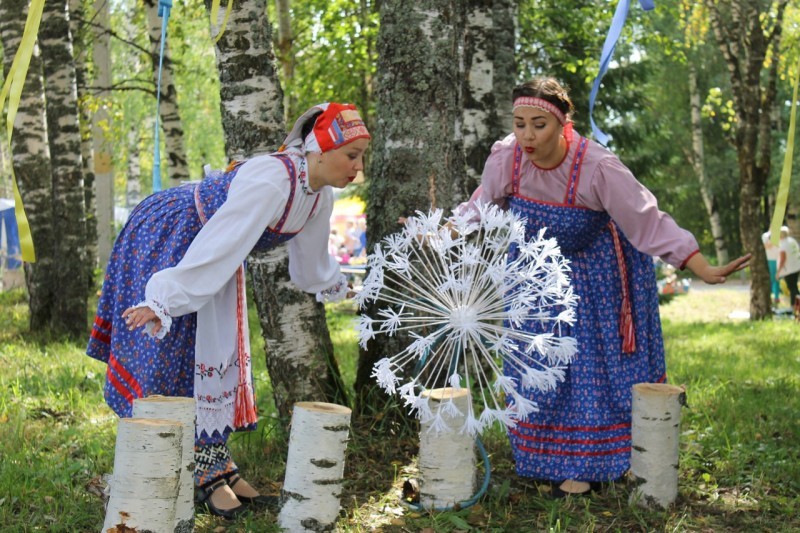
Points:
608	225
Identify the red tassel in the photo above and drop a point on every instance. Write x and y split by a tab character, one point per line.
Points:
626	329
244	408
245	413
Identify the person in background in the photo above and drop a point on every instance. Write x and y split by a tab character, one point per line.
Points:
362	237
608	226
773	253
176	270
789	264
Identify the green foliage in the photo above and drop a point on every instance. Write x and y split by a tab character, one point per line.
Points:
333	52
133	103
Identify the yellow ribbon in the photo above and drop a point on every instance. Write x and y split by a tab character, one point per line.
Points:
215	15
786	175
12	88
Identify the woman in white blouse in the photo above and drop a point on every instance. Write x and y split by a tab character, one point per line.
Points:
177	270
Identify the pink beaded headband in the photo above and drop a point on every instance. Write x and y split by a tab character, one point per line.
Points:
540	103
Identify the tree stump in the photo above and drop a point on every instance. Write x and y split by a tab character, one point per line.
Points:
182	410
144	487
446	458
314	466
655	431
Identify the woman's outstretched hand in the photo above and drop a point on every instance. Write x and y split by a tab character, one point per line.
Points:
136	317
716	274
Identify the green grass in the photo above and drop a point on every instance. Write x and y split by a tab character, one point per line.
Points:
739	438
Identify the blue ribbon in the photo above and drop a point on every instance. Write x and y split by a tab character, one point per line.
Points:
164	7
620	15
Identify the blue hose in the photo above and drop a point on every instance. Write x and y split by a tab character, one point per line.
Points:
487	467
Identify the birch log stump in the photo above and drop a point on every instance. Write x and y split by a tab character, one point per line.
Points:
446	459
144	487
655	431
183	411
314	466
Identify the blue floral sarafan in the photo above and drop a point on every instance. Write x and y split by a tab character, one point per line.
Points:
583	429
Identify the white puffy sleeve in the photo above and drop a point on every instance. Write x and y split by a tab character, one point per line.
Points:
255	200
311	267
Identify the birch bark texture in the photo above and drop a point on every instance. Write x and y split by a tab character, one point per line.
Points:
182	410
417	146
30	155
446	458
655	432
144	486
314	466
489	76
168	109
71	283
299	355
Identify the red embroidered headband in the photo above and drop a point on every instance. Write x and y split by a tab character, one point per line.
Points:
540	103
337	126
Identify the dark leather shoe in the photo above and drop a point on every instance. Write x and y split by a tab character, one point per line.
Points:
203	496
270	502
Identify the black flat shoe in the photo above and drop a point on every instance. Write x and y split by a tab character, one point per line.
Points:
203	497
270	502
557	493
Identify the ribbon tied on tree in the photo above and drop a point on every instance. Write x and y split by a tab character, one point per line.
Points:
617	23
786	174
12	89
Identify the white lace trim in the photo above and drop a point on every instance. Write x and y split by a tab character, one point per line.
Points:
215	418
161	313
336	293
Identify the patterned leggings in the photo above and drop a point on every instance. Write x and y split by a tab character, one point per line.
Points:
212	462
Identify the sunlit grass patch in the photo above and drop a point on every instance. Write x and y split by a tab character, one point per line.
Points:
738	464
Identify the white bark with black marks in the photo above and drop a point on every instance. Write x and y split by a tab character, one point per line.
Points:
182	410
299	350
144	486
70	290
655	432
31	159
446	458
176	169
314	467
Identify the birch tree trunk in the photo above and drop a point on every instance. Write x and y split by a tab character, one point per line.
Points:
417	145
144	487
177	168
182	410
286	56
655	433
69	308
101	121
299	350
749	35
31	160
300	359
79	32
446	459
314	467
697	160
133	185
489	73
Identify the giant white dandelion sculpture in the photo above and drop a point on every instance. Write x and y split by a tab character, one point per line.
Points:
462	289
